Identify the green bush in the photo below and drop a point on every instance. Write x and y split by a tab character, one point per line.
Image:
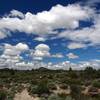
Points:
57	97
68	98
73	81
96	84
76	92
52	86
54	97
40	88
3	95
32	89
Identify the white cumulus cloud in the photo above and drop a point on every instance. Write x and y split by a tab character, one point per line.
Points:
72	56
76	45
42	39
46	21
41	50
11	54
16	13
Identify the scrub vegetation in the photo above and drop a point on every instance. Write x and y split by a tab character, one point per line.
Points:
51	84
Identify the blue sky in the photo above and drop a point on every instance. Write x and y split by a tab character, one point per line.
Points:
51	31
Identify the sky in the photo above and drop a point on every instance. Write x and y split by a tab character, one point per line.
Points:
56	34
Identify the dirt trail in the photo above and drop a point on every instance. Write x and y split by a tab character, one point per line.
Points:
24	96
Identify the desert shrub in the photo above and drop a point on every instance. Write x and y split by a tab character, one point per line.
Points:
96	84
10	95
89	72
87	83
54	97
42	98
73	81
32	89
68	98
76	92
3	95
52	86
72	73
62	95
43	87
63	86
40	88
59	97
33	82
